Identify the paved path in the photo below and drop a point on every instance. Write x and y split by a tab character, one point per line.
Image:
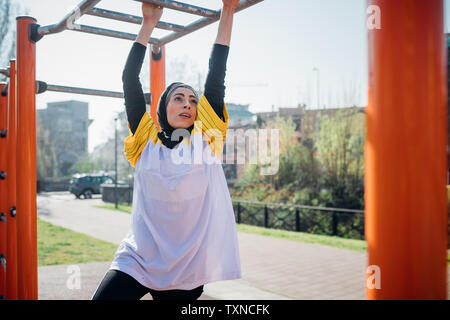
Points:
272	268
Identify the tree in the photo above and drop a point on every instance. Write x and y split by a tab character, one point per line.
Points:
102	158
47	164
340	147
178	69
8	13
185	70
298	170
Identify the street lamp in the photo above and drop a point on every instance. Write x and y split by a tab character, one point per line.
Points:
130	177
318	86
115	161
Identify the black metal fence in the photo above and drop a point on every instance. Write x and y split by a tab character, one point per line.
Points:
347	223
49	186
124	193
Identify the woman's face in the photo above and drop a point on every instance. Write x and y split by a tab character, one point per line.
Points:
182	108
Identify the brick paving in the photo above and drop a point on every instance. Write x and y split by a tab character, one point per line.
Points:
272	268
301	270
56	282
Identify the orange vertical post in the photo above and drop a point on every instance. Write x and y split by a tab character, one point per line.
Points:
157	79
26	160
3	181
405	151
11	250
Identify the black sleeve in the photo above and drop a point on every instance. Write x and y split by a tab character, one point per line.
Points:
132	88
214	86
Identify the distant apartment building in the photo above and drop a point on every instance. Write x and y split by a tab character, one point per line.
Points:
65	126
239	118
239	115
305	120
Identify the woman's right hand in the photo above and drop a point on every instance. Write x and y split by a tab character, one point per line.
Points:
151	13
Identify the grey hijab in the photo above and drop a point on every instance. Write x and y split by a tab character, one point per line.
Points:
166	131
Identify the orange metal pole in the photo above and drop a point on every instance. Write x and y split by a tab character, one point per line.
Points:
157	80
26	160
406	162
3	175
11	250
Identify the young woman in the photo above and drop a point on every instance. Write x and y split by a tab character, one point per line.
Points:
183	232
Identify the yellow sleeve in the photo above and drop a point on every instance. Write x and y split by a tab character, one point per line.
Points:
135	143
212	127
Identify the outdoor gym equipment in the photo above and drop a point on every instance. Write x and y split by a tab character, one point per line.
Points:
18	232
405	150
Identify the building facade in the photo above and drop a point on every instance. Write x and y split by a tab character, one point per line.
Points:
240	119
64	124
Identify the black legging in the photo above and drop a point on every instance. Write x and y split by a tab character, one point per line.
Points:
118	285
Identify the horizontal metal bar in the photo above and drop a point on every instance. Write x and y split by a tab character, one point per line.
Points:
69	19
4	71
189	29
184	7
119	16
110	33
243	4
4	91
299	206
92	92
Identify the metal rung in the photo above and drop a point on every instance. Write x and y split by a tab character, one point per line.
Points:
65	22
119	16
184	7
4	71
42	87
103	93
109	33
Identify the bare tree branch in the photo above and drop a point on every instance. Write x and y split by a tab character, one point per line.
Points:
8	13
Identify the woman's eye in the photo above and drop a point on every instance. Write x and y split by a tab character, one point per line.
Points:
194	101
177	98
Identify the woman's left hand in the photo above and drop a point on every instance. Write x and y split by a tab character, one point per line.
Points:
230	4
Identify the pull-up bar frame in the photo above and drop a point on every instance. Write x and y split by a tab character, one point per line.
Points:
87	8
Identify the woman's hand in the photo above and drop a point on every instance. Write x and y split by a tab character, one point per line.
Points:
232	4
226	22
151	13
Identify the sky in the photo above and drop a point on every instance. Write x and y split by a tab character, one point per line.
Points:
275	47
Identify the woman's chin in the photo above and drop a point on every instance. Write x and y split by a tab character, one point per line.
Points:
182	125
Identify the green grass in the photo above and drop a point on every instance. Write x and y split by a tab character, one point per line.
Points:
112	206
337	242
350	244
58	245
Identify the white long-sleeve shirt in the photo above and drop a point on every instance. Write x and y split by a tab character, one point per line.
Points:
183	232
